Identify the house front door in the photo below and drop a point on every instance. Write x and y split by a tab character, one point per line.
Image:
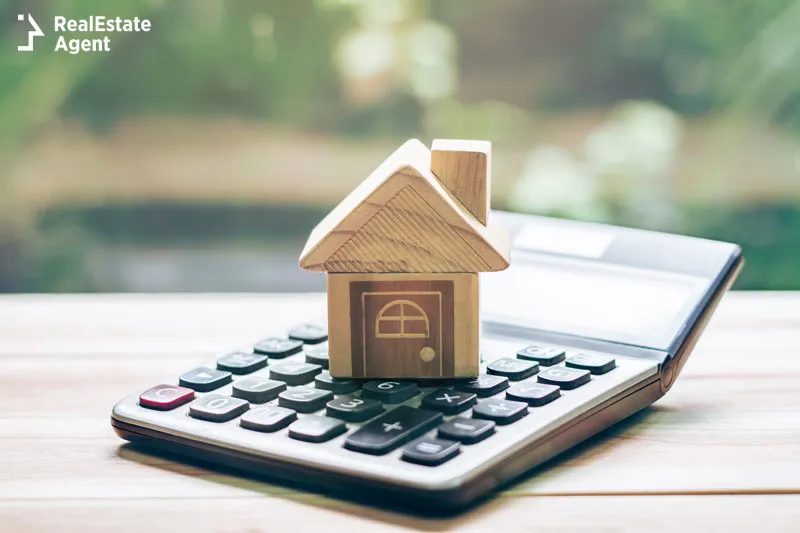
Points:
403	329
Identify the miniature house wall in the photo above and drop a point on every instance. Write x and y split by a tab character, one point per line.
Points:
402	253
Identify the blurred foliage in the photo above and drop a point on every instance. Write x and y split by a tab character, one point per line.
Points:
444	68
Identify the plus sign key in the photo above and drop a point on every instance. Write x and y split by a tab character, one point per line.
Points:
448	401
392	429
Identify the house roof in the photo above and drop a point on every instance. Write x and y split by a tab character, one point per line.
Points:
402	219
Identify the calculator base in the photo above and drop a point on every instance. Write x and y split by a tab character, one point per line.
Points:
428	501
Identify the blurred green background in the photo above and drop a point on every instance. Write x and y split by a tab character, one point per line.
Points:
197	157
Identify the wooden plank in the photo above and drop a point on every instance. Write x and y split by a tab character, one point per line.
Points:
730	425
301	513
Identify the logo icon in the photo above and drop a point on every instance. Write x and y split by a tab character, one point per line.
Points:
36	31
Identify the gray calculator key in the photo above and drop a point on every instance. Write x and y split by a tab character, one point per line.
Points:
309	333
513	369
533	393
544	355
294	372
257	389
316	428
241	363
594	363
430	452
500	411
304	399
325	381
318	355
392	429
484	385
566	378
466	430
352	409
449	401
204	379
267	418
390	391
217	408
278	348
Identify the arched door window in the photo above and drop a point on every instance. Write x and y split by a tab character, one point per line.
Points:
402	319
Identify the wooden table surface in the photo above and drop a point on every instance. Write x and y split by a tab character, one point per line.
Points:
720	452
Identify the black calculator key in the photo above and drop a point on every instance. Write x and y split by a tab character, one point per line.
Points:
566	378
352	409
430	452
304	399
241	363
594	363
466	430
392	429
316	428
336	385
294	373
532	393
448	401
257	389
217	408
544	355
318	355
484	385
309	334
278	348
390	391
204	379
501	411
513	369
267	418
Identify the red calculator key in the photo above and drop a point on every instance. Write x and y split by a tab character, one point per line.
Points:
165	397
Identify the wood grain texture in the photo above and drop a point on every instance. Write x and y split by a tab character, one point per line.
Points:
720	452
364	321
402	219
465	169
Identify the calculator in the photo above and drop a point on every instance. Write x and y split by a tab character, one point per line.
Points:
590	324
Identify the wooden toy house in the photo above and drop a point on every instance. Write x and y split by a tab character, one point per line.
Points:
402	253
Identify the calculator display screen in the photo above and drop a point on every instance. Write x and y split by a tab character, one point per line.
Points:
592	299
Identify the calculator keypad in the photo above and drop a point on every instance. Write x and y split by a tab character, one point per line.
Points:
241	363
391	430
294	395
165	397
430	452
316	428
390	391
304	399
268	418
484	385
278	348
257	389
566	378
204	379
448	401
595	363
294	373
352	409
217	408
501	411
513	369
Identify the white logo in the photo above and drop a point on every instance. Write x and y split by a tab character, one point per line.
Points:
35	32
